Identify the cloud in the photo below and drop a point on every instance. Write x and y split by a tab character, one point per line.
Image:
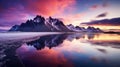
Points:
105	4
95	6
102	5
102	15
73	18
13	16
51	7
113	21
48	7
18	11
44	7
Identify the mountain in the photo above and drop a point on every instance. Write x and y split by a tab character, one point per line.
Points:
76	29
14	28
40	24
56	25
82	29
35	25
92	29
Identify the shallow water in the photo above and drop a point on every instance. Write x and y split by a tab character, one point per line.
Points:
63	50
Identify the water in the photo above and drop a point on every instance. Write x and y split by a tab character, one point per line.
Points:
62	50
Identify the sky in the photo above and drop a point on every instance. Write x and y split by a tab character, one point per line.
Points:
70	11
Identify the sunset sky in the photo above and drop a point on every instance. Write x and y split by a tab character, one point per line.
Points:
69	11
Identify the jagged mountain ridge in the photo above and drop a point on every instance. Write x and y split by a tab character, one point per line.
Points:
40	24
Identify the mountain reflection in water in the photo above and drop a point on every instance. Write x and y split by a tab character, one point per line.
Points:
64	50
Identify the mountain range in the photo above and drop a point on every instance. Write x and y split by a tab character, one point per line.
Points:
40	24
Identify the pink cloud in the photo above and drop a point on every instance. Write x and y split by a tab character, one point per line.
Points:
21	12
95	6
48	7
71	19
